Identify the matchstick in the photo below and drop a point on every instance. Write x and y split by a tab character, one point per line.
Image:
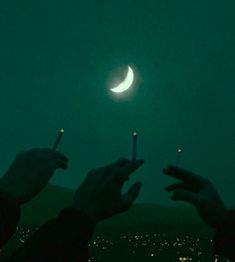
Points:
179	152
58	139
134	149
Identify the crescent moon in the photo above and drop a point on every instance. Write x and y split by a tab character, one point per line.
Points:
126	83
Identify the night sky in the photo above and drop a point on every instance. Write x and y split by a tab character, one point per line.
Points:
56	61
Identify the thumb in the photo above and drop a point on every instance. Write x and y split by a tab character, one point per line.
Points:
132	194
185	195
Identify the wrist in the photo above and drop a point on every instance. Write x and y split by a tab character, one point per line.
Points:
222	217
88	211
8	192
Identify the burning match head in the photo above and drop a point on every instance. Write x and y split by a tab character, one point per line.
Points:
179	152
134	149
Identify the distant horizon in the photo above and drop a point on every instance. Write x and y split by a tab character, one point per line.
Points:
173	204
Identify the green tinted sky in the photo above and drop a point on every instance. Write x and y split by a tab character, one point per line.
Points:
56	57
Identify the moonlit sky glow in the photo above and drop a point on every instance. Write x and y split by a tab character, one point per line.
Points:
56	57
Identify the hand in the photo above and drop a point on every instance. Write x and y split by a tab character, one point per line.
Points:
30	173
100	197
198	191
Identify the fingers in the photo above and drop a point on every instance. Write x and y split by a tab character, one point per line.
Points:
45	153
108	169
62	164
183	175
123	172
185	195
118	172
179	185
132	194
132	166
121	162
59	160
105	172
182	185
127	164
58	155
44	156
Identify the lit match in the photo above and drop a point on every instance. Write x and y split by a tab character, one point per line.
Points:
58	139
179	152
134	136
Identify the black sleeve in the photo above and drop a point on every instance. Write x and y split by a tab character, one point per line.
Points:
224	241
9	217
62	239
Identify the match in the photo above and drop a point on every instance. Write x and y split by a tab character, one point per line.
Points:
134	149
179	152
58	139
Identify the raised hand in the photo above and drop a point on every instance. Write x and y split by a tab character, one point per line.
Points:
198	191
30	172
100	195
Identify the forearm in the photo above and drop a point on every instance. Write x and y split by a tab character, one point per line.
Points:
9	216
224	242
62	239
